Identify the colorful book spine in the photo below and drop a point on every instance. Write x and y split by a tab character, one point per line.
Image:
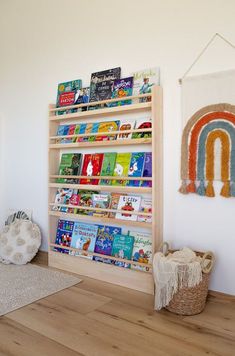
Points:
136	168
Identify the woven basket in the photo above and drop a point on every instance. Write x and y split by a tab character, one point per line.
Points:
192	301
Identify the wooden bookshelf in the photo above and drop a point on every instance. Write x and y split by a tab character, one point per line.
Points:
130	278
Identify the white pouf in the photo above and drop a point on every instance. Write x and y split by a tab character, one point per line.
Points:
19	242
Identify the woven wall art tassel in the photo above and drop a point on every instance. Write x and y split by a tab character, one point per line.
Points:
232	189
225	191
191	187
210	189
201	190
183	188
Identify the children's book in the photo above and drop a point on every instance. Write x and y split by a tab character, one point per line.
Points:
82	97
76	132
122	88
104	242
63	196
64	235
82	130
108	126
142	250
70	165
147	171
122	248
101	85
101	201
92	164
125	124
144	80
114	203
83	238
66	95
127	204
145	207
74	200
136	168
144	123
62	130
108	166
90	128
85	200
121	167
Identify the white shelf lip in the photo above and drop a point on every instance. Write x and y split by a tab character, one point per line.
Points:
102	256
108	101
101	112
108	133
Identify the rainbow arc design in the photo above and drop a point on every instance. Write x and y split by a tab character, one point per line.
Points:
197	150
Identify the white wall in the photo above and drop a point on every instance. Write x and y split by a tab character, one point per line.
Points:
48	41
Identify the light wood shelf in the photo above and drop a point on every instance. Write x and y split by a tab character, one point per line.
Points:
110	273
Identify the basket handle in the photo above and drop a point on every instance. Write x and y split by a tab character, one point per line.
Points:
164	246
208	268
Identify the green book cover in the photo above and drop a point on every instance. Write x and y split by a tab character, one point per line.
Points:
121	167
122	248
108	166
70	165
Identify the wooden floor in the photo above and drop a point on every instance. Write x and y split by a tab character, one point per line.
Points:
96	318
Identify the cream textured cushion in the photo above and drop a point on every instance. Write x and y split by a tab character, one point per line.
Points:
19	242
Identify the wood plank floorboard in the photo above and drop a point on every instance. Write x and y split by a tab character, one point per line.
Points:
97	318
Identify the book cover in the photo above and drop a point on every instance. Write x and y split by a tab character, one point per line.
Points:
104	240
122	248
144	80
108	166
74	200
101	85
128	203
62	130
66	94
92	164
83	238
90	128
63	196
85	200
142	250
144	123
121	167
76	132
68	130
122	88
145	207
82	130
114	203
126	124
136	168
70	164
147	171
101	201
64	235
82	97
108	126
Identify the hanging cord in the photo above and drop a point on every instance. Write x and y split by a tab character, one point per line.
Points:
204	50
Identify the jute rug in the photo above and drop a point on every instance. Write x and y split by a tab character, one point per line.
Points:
22	285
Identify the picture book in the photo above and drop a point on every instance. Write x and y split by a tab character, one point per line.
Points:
82	97
101	201
125	124
101	84
145	207
63	196
76	132
122	248
92	164
68	130
108	126
144	80
66	95
121	167
114	203
64	235
122	88
83	238
136	168
94	129
142	250
85	200
62	130
104	240
144	123
70	165
108	166
88	129
127	204
147	171
74	200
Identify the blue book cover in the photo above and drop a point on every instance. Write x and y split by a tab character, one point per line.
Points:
104	241
66	95
122	248
136	168
147	171
64	235
83	238
82	130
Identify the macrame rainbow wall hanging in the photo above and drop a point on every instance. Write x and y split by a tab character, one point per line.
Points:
198	154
